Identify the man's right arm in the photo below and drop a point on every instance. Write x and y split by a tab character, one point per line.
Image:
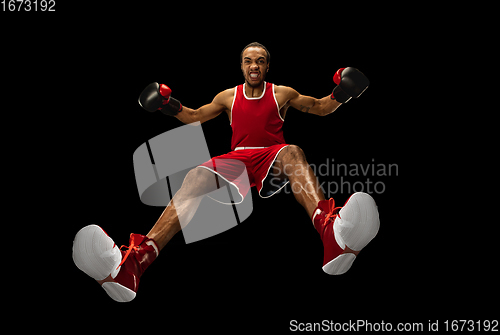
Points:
157	97
204	113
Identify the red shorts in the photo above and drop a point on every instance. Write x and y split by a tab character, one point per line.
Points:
256	162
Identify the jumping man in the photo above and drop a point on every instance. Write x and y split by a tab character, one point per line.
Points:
256	112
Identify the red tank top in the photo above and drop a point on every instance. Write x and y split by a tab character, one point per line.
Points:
256	122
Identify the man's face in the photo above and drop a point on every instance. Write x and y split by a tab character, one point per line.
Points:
254	66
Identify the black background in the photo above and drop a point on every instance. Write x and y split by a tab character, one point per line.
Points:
87	66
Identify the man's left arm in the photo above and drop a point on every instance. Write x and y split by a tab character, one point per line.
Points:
312	105
351	83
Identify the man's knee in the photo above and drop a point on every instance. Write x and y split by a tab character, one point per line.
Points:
200	176
291	158
199	181
295	151
295	154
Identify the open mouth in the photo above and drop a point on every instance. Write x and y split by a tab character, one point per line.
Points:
254	75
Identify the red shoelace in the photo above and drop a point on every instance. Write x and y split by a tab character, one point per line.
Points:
332	212
132	246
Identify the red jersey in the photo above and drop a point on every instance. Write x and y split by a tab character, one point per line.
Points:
256	122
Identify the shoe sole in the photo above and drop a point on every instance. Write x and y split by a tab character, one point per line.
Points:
95	253
361	208
340	264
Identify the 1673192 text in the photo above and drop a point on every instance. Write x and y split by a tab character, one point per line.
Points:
28	5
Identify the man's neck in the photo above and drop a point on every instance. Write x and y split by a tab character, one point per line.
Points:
253	92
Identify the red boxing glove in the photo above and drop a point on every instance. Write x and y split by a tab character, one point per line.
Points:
351	83
165	91
157	97
171	106
337	76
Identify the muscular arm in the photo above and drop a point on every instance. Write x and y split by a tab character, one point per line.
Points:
206	112
312	105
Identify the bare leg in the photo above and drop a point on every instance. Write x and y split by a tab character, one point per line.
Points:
292	163
183	206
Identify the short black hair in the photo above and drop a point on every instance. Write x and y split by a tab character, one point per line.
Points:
255	44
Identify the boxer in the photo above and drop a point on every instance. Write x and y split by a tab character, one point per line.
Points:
256	111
